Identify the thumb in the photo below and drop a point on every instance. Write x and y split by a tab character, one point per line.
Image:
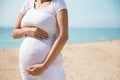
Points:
28	68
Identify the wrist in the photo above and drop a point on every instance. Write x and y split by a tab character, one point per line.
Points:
44	66
26	31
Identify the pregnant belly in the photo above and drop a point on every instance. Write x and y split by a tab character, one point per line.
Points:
33	51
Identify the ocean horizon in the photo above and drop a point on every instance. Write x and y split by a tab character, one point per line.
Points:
76	35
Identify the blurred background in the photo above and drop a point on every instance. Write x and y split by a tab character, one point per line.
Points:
92	51
89	20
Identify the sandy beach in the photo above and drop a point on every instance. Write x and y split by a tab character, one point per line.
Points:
82	61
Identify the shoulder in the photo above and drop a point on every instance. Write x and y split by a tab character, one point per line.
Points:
59	5
26	6
29	2
59	1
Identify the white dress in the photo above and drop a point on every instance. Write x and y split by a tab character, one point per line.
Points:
33	51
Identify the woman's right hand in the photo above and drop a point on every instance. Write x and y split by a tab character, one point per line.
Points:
32	31
35	32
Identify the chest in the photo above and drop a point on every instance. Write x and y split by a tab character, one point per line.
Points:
38	17
44	19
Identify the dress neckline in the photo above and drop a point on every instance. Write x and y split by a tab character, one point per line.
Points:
39	7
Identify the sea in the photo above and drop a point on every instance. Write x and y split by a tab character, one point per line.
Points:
76	35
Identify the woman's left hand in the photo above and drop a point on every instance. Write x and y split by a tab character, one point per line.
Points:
35	70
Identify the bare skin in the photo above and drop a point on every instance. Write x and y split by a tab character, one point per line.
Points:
62	20
32	31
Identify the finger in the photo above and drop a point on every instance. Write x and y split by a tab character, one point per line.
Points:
44	37
36	35
41	31
38	30
30	72
40	36
29	68
43	34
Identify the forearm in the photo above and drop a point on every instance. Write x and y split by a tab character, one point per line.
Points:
55	50
19	33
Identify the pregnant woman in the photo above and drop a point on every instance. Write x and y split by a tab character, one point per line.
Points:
44	23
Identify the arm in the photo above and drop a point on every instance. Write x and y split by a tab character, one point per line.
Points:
62	19
19	32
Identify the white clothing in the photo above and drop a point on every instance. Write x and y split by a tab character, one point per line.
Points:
33	51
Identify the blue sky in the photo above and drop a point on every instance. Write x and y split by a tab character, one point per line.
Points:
82	13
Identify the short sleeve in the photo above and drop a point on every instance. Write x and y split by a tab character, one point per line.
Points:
24	7
59	5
